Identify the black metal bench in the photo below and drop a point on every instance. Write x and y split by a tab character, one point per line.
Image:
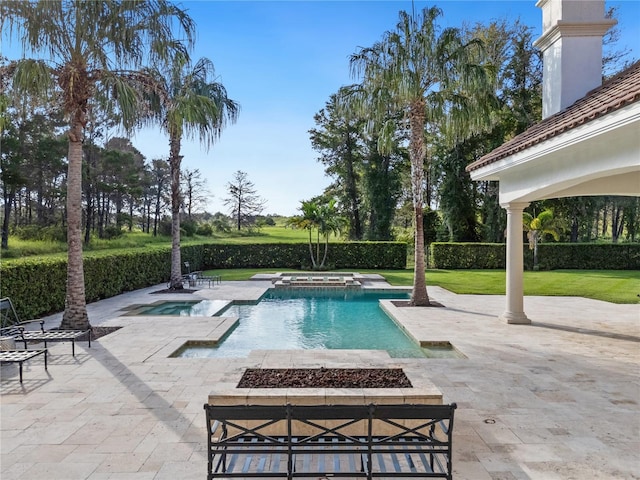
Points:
317	441
21	356
210	279
12	326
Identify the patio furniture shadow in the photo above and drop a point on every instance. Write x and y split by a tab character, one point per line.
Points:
587	331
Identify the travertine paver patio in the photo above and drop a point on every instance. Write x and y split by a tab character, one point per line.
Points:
558	399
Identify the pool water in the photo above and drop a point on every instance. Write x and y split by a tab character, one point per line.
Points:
299	319
189	308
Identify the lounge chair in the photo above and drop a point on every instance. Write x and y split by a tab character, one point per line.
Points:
13	327
198	277
21	356
210	279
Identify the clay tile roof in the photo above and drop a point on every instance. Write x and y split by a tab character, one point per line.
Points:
620	91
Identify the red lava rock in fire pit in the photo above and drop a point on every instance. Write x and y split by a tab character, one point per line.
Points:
324	378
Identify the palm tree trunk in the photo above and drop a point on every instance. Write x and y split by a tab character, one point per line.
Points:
355	232
9	197
313	260
326	250
75	314
419	295
175	159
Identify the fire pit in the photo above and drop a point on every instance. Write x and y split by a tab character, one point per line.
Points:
326	386
324	378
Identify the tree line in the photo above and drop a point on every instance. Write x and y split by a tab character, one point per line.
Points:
426	102
118	61
122	191
367	150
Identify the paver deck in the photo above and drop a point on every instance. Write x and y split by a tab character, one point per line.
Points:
558	399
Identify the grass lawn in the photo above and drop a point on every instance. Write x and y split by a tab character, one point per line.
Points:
279	234
616	286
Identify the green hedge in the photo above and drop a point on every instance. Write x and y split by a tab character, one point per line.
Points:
38	286
452	256
551	256
389	255
615	256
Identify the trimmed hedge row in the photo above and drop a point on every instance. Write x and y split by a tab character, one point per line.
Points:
452	256
391	255
38	286
551	256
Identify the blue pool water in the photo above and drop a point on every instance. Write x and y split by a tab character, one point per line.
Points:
299	319
189	308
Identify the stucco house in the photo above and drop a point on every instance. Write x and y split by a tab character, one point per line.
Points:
588	142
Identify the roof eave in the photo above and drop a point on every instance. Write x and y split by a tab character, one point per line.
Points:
493	171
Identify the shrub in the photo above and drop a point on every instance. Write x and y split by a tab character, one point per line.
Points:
164	227
222	224
296	255
112	232
588	256
188	227
551	256
28	232
205	230
51	233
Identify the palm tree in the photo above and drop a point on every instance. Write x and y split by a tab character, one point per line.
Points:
324	218
188	102
329	222
538	226
431	79
87	50
308	221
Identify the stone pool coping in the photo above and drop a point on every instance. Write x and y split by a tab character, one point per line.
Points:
141	309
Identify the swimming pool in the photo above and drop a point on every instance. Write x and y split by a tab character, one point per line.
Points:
317	319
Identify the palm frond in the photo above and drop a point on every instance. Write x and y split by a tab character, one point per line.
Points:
31	77
127	91
193	103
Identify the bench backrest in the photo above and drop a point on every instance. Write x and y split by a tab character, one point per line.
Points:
324	412
391	440
404	419
8	315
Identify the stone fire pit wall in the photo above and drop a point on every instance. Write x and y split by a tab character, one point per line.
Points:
422	392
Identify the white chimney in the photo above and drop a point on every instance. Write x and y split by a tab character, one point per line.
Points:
571	43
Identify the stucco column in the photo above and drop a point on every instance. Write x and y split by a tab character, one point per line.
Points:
514	312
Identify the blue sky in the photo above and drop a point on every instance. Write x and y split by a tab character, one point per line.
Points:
281	60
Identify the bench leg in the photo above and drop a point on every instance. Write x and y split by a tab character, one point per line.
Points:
20	365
